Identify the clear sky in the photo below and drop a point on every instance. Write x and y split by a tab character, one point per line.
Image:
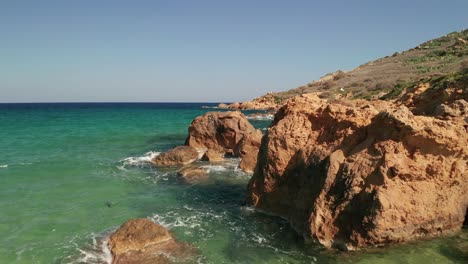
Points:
199	50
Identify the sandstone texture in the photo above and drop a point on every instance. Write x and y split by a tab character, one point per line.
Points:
247	149
140	241
352	174
177	156
213	156
229	133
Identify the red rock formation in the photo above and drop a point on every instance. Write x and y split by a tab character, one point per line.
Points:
223	132
177	156
141	241
247	149
352	174
213	156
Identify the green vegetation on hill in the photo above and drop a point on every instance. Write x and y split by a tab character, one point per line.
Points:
441	62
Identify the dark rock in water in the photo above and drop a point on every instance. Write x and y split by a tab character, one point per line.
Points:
177	156
140	241
109	204
193	174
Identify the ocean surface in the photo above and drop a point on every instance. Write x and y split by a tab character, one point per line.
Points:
72	173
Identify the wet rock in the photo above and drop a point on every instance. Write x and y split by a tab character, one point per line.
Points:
193	174
140	241
181	155
353	174
213	156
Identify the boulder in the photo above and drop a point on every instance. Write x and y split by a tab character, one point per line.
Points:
181	155
193	174
140	241
213	156
352	174
219	131
247	149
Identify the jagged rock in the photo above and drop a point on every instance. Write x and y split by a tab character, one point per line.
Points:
140	241
213	156
458	108
219	131
352	174
193	174
247	149
181	155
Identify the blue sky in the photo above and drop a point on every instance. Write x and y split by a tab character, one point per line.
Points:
199	51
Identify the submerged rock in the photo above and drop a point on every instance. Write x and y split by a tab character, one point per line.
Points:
352	174
193	174
181	155
140	241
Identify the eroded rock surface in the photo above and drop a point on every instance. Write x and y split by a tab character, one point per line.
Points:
352	174
181	155
213	156
247	149
226	132
140	241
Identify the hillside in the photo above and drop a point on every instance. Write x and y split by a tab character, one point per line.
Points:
440	61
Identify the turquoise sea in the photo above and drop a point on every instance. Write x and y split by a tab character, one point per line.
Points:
72	173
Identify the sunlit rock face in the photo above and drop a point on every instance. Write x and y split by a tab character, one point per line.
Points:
352	174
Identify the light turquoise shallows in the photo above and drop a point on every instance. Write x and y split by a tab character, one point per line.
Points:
71	173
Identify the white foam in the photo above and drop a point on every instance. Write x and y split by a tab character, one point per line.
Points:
138	161
98	252
261	117
210	168
4	166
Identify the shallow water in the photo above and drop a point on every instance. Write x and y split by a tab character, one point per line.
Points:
72	173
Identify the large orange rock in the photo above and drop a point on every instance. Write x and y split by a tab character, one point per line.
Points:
140	241
352	174
247	149
180	155
226	132
218	131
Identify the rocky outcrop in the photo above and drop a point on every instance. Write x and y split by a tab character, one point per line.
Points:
226	132
218	131
352	174
181	155
142	241
247	149
266	102
213	156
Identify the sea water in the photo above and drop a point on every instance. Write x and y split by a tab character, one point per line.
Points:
70	174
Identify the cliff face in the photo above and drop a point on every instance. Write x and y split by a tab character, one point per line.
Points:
357	173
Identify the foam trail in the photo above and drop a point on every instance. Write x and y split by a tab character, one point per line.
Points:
138	161
4	166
